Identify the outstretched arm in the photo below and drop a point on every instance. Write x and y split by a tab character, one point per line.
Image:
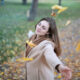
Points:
51	56
65	71
53	60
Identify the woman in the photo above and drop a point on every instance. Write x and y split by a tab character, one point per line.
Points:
45	53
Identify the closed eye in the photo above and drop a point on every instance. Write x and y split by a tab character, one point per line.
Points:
43	27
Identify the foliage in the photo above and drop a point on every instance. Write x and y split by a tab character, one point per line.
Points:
13	35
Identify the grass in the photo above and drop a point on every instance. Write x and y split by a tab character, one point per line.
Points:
14	25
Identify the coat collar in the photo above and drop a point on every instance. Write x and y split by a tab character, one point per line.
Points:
39	47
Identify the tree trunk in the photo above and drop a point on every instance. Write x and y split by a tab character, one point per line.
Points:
59	2
33	10
24	2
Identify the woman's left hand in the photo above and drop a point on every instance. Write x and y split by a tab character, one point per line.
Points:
65	71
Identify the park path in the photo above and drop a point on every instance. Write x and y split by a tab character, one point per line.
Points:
69	37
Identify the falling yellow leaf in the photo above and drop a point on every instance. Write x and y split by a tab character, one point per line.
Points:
53	14
61	10
68	22
78	47
30	43
27	59
56	7
24	59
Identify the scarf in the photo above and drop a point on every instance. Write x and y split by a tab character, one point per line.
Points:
36	41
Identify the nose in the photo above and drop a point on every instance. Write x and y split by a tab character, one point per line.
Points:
39	27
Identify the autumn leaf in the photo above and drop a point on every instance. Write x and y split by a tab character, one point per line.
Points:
59	76
78	47
68	22
58	8
30	43
1	73
24	59
61	10
8	79
53	14
27	59
66	59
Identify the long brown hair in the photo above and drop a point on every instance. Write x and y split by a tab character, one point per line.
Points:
53	34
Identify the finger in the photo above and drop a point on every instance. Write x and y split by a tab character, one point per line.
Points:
69	74
67	69
64	75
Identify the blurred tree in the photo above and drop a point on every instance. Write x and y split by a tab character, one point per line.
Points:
24	2
33	10
60	2
2	2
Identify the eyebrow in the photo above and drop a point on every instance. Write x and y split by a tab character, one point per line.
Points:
42	25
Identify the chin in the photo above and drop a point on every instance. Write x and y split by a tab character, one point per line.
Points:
37	33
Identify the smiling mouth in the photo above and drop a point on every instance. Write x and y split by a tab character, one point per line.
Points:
38	30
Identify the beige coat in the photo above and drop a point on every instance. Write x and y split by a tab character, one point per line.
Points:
44	62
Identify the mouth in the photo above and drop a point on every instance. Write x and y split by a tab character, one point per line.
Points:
38	30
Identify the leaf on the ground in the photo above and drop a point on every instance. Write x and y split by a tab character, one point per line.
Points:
78	47
68	22
59	76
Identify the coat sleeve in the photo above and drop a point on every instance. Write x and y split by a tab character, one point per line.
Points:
51	56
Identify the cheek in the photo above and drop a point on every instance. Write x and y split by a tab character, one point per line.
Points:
44	32
36	27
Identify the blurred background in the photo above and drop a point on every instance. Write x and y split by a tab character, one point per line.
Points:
17	17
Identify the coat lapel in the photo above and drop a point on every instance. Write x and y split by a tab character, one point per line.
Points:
38	49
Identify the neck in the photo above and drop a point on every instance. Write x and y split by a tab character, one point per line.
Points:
40	36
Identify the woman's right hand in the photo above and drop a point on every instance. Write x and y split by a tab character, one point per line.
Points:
65	71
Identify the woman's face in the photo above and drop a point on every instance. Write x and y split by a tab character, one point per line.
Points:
42	28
